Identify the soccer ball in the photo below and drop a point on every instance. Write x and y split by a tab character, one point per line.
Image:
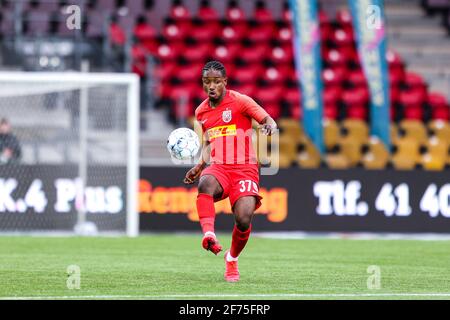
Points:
183	143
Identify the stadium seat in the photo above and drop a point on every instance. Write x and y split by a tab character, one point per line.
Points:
440	129
331	132
308	157
254	53
280	54
206	12
143	30
284	33
179	12
376	156
168	52
436	154
290	127
259	32
288	148
197	53
247	74
202	31
415	129
234	13
262	14
334	77
350	147
337	161
406	154
356	129
189	73
232	33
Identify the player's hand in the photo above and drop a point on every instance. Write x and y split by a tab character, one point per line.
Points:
267	129
193	174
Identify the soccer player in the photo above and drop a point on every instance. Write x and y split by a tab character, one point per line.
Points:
226	119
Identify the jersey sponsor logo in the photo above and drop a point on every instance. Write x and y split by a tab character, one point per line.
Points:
226	116
222	131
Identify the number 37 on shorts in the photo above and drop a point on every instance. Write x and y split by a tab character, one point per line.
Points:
248	186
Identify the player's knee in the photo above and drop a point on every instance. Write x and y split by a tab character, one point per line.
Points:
243	222
206	186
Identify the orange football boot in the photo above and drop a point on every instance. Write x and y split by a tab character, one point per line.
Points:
231	269
211	243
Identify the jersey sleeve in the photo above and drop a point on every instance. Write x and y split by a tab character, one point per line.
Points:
252	109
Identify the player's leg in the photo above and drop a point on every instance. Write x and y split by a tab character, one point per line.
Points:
209	189
243	210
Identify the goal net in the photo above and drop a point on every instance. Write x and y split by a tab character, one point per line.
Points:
69	152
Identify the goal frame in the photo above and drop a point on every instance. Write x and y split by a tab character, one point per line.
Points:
88	78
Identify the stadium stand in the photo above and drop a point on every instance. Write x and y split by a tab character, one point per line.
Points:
167	42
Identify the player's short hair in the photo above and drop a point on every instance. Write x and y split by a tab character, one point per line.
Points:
215	65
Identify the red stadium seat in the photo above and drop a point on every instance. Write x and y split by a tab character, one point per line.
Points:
179	12
281	54
412	98
355	97
436	100
413	112
396	77
204	31
293	96
285	34
272	76
172	32
334	77
144	31
117	34
222	54
233	33
414	80
296	112
261	32
168	52
270	95
164	71
234	13
247	74
344	18
254	53
441	113
394	94
394	59
357	112
189	73
262	14
198	52
207	13
330	111
357	78
342	37
332	95
334	58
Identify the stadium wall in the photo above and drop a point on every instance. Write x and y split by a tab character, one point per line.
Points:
322	200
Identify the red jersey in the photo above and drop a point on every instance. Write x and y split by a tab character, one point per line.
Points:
228	127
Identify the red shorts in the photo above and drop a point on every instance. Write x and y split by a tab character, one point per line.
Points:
237	180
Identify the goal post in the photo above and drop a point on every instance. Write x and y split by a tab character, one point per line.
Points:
78	163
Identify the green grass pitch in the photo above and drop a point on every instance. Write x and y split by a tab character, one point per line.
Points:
176	267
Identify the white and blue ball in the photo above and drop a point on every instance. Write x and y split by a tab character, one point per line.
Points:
183	143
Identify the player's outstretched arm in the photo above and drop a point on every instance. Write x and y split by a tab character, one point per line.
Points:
195	172
268	126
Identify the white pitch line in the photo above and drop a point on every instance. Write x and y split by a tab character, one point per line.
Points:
281	295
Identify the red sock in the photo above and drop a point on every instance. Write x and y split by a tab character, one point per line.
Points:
239	240
206	212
